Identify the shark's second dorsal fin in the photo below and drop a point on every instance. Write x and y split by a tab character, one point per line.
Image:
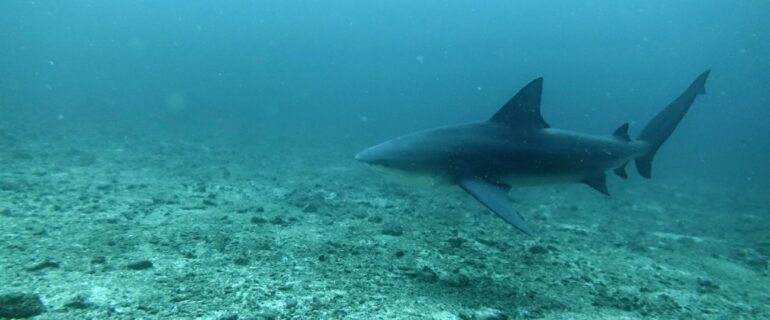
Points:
523	110
621	133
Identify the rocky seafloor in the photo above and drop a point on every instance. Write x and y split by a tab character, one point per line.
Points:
129	227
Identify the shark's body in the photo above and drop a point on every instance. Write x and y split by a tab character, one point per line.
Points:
517	147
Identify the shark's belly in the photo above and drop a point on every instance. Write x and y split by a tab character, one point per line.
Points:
535	180
547	169
549	158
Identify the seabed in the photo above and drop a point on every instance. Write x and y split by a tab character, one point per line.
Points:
153	227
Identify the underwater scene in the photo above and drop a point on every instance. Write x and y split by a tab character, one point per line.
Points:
445	160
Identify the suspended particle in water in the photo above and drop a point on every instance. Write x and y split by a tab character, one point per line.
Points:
176	101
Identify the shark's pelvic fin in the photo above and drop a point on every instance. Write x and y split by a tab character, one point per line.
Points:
621	133
523	110
663	124
495	197
598	182
621	171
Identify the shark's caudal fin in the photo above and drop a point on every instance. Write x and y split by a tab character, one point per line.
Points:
660	128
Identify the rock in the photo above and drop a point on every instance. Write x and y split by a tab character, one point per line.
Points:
78	302
45	264
291	302
456	242
269	315
241	261
426	274
458	280
488	314
20	305
392	230
707	286
621	299
140	265
538	249
257	220
279	221
310	208
11	186
99	260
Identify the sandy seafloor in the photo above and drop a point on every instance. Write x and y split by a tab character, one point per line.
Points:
293	231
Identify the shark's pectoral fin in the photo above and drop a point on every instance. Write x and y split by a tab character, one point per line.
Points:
598	182
495	197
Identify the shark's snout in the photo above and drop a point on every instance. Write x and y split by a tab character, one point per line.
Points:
360	157
366	156
400	153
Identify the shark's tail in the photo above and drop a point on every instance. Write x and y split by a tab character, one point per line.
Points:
660	128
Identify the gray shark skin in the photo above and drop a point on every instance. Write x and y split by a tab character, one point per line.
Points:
516	147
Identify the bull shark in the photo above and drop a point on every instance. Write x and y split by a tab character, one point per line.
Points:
517	147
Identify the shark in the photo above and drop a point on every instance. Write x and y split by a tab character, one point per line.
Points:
517	147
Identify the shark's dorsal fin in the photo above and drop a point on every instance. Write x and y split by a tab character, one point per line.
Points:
523	110
598	182
621	133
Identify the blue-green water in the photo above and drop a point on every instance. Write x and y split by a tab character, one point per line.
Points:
168	130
